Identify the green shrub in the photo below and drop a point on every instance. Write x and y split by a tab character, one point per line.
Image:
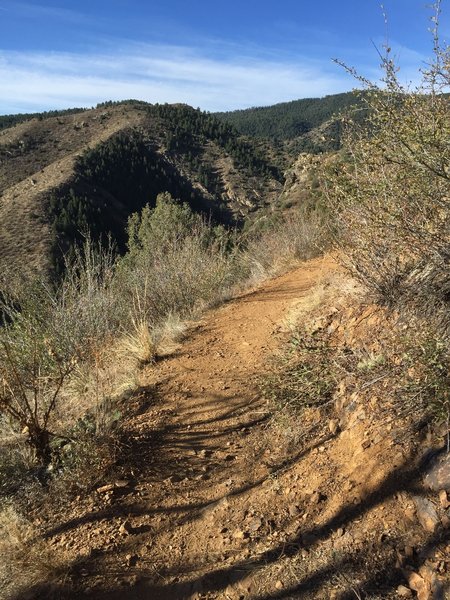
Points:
307	374
176	263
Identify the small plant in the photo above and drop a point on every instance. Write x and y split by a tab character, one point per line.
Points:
427	378
371	362
307	376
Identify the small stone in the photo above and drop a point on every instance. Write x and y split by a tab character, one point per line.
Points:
404	592
279	585
293	510
426	513
105	488
255	524
316	498
121	483
438	472
205	453
333	426
443	499
445	522
125	528
239	534
131	559
230	457
174	479
416	583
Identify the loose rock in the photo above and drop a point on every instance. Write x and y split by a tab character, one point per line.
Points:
438	473
426	513
126	528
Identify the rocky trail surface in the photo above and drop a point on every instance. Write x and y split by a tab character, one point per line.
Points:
207	502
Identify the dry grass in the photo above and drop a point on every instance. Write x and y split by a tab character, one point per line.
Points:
114	321
27	561
298	236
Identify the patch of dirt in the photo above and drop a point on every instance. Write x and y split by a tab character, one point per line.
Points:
212	500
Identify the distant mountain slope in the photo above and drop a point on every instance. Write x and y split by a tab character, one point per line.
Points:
7	121
295	120
60	175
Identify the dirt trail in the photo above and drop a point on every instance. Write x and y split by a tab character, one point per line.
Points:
211	499
196	456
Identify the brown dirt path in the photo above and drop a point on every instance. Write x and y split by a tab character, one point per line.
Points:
196	456
210	499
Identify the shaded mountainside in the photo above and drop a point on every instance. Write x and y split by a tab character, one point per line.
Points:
65	173
307	125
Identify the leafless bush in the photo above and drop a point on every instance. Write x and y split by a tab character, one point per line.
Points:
392	193
46	333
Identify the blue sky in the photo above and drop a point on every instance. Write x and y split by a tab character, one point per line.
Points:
215	55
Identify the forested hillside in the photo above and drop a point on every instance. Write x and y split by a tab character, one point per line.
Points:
311	122
64	174
11	120
288	119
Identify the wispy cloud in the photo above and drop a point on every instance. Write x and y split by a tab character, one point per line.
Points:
159	73
28	10
219	76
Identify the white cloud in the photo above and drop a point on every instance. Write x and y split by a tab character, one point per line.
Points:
158	73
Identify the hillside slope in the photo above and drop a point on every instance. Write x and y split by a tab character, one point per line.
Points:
306	125
216	500
61	175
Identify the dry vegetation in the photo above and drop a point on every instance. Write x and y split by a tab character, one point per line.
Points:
71	354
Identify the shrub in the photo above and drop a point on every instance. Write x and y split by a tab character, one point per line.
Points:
392	193
176	264
307	374
296	236
46	333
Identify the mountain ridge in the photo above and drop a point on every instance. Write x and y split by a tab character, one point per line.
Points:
65	173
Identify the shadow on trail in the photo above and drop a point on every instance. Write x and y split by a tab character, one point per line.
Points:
383	580
151	456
